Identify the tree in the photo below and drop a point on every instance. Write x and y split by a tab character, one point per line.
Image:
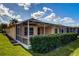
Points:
2	27
13	21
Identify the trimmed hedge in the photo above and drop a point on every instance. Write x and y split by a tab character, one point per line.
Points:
43	44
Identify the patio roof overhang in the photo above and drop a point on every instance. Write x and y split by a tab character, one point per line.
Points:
35	22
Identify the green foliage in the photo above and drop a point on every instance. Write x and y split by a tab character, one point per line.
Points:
13	21
2	27
43	44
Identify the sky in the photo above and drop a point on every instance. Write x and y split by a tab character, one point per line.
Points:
58	13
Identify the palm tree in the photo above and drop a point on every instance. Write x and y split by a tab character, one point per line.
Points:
13	21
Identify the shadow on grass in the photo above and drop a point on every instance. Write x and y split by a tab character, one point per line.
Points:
12	41
61	51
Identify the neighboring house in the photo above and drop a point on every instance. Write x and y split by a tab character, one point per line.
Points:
22	32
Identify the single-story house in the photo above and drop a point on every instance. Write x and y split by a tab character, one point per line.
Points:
23	31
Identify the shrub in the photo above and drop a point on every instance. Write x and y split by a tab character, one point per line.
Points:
43	44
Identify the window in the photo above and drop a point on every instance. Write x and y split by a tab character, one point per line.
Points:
56	30
30	31
38	31
67	30
61	30
78	30
18	30
25	31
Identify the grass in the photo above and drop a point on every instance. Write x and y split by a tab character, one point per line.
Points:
8	49
71	49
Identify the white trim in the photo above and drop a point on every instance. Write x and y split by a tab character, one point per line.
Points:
76	30
44	29
28	41
22	36
58	30
24	45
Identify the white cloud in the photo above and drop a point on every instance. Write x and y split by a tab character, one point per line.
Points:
53	18
4	11
3	21
40	14
50	17
21	4
57	20
47	9
11	11
37	15
26	6
77	25
67	20
18	17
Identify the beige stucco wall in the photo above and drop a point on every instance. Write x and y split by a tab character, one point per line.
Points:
35	30
11	32
22	29
52	30
48	29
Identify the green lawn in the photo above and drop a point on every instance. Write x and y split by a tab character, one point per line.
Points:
7	48
71	49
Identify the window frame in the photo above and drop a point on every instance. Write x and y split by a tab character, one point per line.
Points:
31	32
